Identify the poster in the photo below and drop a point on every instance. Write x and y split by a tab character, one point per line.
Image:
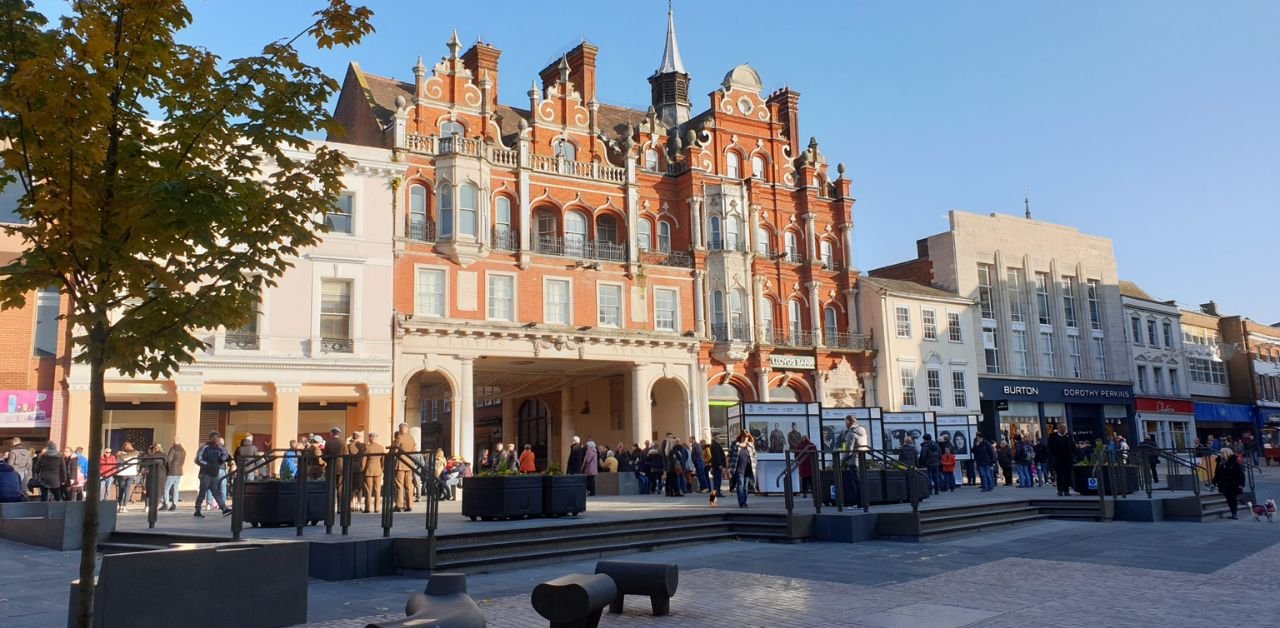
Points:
960	430
899	425
778	427
25	408
833	425
769	475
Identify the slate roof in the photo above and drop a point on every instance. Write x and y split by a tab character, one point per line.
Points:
901	286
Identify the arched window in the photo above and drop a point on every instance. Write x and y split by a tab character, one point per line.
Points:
731	165
825	250
644	235
664	236
764	246
829	327
468	202
738	331
450	128
716	237
502	235
651	159
575	233
548	231
566	150
418	212
731	241
757	166
792	246
446	210
766	318
607	229
718	330
793	321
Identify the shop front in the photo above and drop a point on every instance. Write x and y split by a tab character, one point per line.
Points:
1031	408
1171	422
1223	420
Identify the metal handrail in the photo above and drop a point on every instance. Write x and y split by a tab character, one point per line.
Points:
908	471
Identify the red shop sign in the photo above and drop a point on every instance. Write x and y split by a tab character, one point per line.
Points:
1169	406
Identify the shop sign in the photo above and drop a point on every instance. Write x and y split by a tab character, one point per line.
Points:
1166	406
798	362
1096	393
25	408
776	408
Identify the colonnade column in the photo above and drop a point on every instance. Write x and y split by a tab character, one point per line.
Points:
699	313
641	413
815	313
186	419
465	409
762	383
284	415
77	416
378	411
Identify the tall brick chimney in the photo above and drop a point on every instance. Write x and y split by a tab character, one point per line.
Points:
483	59
784	105
582	71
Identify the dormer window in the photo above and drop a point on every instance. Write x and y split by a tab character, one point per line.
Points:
651	159
566	150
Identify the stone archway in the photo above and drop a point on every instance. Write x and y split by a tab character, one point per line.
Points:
669	403
429	411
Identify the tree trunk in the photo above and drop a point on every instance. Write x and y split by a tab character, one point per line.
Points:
96	347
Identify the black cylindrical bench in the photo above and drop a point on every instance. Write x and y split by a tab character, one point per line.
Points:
656	580
444	604
574	601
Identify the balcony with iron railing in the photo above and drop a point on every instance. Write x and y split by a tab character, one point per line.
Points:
582	248
832	265
730	332
422	230
848	341
793	256
504	239
581	169
729	242
242	340
793	338
677	259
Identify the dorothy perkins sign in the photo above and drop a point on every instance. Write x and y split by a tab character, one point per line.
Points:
1068	392
1086	393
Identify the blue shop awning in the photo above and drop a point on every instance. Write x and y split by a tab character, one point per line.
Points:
1223	413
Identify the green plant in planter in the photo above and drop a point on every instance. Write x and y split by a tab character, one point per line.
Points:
553	469
502	470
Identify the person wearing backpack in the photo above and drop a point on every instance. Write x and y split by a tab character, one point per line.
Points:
931	460
1023	456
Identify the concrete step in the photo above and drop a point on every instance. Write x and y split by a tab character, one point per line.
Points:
932	522
972	526
562	553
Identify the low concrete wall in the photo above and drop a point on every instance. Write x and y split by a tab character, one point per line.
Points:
56	525
261	584
845	527
623	483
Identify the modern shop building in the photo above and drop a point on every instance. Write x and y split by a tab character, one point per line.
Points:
1050	320
568	267
1217	412
1162	394
1254	367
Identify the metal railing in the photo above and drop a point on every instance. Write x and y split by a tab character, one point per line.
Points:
727	332
505	240
792	338
337	345
422	230
581	248
847	340
729	242
677	259
242	340
793	257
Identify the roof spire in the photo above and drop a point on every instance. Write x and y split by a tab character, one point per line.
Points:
454	45
1026	204
671	54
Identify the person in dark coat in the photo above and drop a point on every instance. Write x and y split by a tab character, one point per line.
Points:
653	468
717	465
908	455
10	484
51	471
984	457
1061	455
156	463
1041	469
1229	477
334	448
175	459
577	454
805	451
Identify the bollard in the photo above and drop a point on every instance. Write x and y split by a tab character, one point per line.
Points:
153	495
331	498
837	479
816	461
788	494
344	506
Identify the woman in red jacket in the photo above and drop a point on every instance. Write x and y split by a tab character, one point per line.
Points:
108	471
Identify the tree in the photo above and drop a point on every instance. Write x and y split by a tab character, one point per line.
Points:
157	226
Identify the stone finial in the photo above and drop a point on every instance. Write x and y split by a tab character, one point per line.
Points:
564	69
840	169
418	68
690	138
400	102
454	45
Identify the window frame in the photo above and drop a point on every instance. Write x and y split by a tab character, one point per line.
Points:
907	381
928	327
959	389
44	329
732	165
933	375
419	308
664	236
620	314
335	209
675	308
490	276
547	281
349	315
901	327
955	330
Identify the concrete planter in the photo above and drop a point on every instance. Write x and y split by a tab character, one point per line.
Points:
503	497
564	494
1126	480
273	503
56	525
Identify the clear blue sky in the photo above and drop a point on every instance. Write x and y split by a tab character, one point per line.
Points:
1155	123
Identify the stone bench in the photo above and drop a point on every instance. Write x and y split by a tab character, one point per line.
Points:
574	601
658	581
444	604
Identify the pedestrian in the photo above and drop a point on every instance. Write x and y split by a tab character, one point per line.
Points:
528	462
740	467
313	455
1024	456
610	463
404	444
176	459
1204	468
246	455
1041	461
654	466
289	462
699	464
107	471
126	476
948	468
355	453
512	460
1004	457
371	469
210	458
573	466
11	489
984	458
805	452
485	465
73	490
1061	454
1229	477
717	466
21	459
908	454
1149	448
591	466
931	460
50	473
334	448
